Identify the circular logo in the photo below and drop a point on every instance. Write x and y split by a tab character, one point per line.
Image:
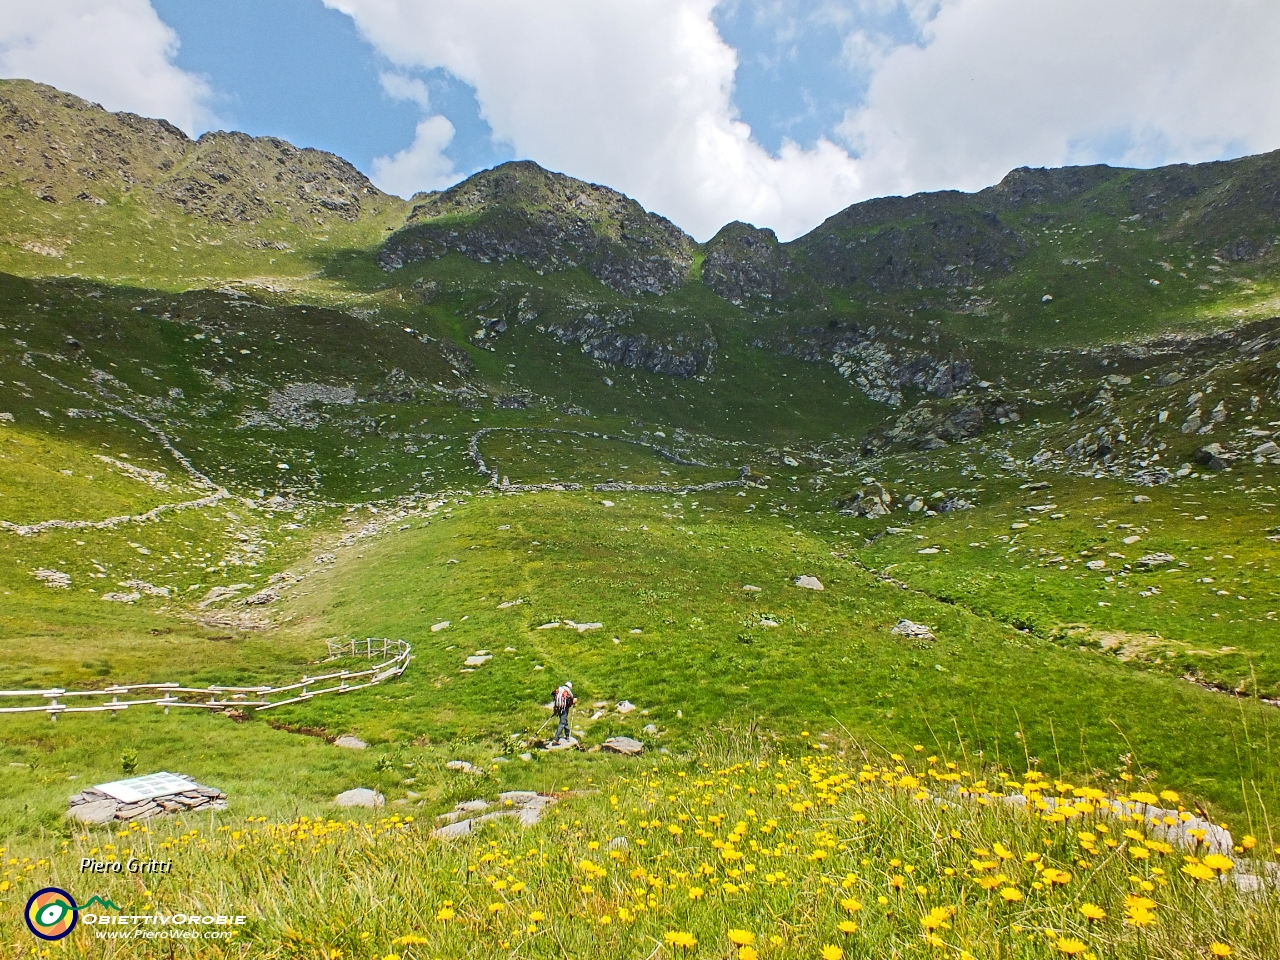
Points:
51	913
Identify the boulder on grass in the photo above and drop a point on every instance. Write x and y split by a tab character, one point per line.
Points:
359	797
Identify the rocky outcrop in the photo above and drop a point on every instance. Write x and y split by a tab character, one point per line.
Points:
519	211
606	338
928	427
871	501
881	365
749	268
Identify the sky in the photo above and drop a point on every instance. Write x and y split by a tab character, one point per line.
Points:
775	112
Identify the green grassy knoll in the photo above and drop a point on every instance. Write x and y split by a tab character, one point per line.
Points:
1209	613
45	476
706	647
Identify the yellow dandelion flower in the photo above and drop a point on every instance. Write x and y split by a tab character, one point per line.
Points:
1138	916
445	913
1219	949
851	905
409	940
1070	946
1011	894
695	893
681	939
537	916
1216	861
741	938
1198	871
748	953
1092	911
937	917
847	926
830	951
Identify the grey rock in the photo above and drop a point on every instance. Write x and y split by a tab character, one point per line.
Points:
350	742
451	831
624	745
472	806
1214	456
625	706
462	766
359	797
556	746
913	630
871	501
94	811
809	582
518	797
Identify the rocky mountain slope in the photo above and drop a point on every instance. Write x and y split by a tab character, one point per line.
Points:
66	150
521	282
938	247
519	211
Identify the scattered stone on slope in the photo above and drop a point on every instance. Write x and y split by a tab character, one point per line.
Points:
524	806
350	743
913	630
462	766
53	578
627	746
359	797
556	746
808	582
1214	456
873	500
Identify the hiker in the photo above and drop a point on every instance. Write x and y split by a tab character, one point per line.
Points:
562	703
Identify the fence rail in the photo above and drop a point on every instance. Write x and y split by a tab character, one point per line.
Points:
395	654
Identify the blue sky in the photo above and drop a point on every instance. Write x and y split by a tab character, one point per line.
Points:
298	70
777	112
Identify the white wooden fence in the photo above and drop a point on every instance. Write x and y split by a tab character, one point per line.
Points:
395	655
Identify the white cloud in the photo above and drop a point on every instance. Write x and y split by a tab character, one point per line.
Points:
1005	83
116	52
639	95
401	87
420	166
636	95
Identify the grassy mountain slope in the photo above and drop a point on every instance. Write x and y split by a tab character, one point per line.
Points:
236	422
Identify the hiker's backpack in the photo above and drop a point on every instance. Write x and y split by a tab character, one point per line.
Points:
562	700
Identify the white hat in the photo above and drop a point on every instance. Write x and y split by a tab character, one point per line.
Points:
569	684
